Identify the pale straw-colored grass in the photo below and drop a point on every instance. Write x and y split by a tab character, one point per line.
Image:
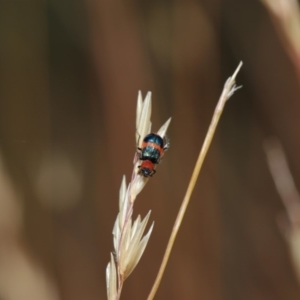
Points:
286	18
289	194
129	243
128	236
228	91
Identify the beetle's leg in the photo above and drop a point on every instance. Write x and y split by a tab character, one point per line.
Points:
138	138
153	172
139	152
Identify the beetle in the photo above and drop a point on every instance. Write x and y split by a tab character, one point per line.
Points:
151	152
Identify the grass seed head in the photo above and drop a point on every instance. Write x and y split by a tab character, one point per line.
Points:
128	236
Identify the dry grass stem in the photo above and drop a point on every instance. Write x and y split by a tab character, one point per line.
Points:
228	91
128	236
283	179
290	197
286	17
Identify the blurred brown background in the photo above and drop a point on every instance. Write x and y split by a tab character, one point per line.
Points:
70	72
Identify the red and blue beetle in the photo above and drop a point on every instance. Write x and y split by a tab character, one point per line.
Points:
151	152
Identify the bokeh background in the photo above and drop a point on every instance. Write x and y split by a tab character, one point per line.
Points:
70	72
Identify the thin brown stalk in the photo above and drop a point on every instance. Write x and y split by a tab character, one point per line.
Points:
229	89
283	179
285	15
289	222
